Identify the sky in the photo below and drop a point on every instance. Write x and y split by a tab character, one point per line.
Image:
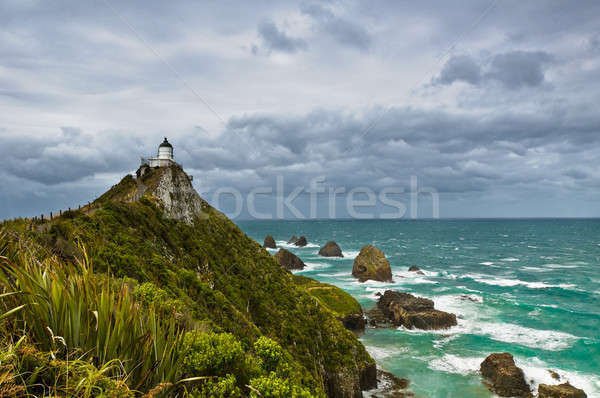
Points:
491	105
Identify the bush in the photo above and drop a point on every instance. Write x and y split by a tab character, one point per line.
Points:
272	386
212	354
224	387
269	352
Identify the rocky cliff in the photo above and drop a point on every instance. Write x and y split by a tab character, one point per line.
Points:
154	230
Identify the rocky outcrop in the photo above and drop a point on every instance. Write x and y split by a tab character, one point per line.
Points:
288	260
504	377
404	309
355	322
173	187
390	386
372	264
416	269
293	239
564	390
331	249
351	383
269	242
301	242
377	319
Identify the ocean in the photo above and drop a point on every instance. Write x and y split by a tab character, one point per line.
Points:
529	287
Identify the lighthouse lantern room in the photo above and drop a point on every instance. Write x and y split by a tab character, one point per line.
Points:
164	157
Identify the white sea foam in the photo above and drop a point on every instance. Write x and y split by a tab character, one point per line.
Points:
509	259
560	266
285	245
496	281
487	263
313	266
350	254
475	318
536	372
534	269
380	353
454	364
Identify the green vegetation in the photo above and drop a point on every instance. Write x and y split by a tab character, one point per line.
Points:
331	297
122	301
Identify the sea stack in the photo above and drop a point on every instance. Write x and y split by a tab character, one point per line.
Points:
331	249
293	239
301	242
289	260
404	309
564	390
269	243
372	264
505	378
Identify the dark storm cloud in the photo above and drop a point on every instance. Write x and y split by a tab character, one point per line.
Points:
342	30
517	69
514	70
276	39
69	156
460	68
523	128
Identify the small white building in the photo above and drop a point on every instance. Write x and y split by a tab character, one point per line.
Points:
164	157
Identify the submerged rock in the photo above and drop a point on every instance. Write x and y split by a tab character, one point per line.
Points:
564	390
269	242
288	260
372	264
416	269
331	249
404	309
505	378
390	386
301	242
293	239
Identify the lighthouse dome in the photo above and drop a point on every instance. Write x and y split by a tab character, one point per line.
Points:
165	150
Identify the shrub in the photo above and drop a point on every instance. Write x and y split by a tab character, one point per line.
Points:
212	354
224	387
269	352
272	386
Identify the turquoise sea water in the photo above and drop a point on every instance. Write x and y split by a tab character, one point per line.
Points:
529	287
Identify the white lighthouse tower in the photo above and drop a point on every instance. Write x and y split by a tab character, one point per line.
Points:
164	157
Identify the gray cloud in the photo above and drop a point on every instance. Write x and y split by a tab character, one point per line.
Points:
460	68
514	70
342	30
517	69
503	142
275	39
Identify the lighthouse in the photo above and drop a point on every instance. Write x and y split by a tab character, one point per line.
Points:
164	157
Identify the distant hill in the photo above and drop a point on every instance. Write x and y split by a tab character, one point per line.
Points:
189	278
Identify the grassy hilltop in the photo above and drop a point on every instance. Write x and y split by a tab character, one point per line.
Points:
125	300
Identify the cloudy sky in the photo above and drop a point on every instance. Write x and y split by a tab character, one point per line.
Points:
493	104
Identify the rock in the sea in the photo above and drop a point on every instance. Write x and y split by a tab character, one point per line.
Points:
355	322
301	242
564	390
331	249
505	378
269	242
404	309
372	264
288	260
293	239
416	269
390	386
